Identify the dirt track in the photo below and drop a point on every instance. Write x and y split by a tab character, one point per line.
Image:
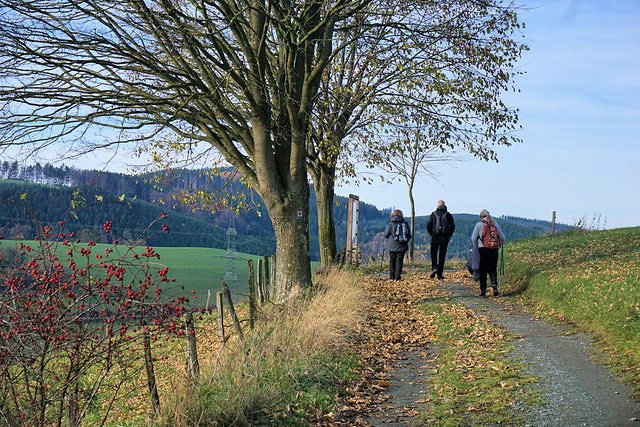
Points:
574	389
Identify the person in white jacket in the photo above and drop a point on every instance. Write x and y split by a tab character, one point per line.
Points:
488	236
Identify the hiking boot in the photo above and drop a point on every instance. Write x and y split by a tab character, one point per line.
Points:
433	273
495	292
493	276
440	277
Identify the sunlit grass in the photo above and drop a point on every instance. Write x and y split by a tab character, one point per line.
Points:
291	366
591	278
198	272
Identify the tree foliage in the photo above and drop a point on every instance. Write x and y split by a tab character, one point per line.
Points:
442	64
238	77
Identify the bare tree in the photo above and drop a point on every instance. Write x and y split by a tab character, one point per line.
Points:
415	152
239	76
446	63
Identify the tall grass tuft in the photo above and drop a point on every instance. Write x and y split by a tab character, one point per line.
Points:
292	364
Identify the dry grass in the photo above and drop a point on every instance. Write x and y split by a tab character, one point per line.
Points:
289	366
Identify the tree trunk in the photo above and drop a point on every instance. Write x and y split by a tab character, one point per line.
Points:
290	219
413	216
324	185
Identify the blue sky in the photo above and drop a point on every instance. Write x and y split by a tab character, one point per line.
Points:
580	111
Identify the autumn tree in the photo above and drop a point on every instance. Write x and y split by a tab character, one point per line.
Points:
240	77
445	63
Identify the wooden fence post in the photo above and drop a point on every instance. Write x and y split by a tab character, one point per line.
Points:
260	282
73	411
219	303
151	376
267	279
553	222
193	367
273	276
252	295
232	311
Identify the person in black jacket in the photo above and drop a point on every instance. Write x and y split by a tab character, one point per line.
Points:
440	227
398	243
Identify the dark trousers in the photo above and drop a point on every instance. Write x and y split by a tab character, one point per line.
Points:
488	265
396	259
438	256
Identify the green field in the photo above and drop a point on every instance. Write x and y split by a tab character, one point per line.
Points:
200	270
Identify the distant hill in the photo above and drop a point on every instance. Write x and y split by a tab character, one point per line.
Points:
48	193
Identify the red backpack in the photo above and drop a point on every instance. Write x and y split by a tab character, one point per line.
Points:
490	239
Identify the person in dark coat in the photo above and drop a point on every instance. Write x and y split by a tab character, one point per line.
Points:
439	239
397	249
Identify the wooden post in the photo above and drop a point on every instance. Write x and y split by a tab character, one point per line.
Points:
220	305
352	227
273	276
553	222
260	283
232	311
73	410
267	279
193	367
252	295
151	376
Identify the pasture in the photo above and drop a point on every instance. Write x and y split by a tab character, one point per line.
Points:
198	272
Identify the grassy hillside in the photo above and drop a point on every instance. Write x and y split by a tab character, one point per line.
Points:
590	278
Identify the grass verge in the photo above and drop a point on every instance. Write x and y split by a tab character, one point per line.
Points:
591	278
289	370
474	381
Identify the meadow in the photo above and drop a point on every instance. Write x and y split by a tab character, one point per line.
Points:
302	356
200	271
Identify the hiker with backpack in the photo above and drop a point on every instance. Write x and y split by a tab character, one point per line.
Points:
398	233
488	236
440	227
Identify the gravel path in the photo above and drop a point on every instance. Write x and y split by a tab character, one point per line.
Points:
574	389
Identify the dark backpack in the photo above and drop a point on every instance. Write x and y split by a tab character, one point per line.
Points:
401	234
441	224
490	239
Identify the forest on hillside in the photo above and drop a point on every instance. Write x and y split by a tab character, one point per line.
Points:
34	196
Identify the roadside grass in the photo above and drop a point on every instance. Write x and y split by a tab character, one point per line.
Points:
289	370
591	278
474	380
